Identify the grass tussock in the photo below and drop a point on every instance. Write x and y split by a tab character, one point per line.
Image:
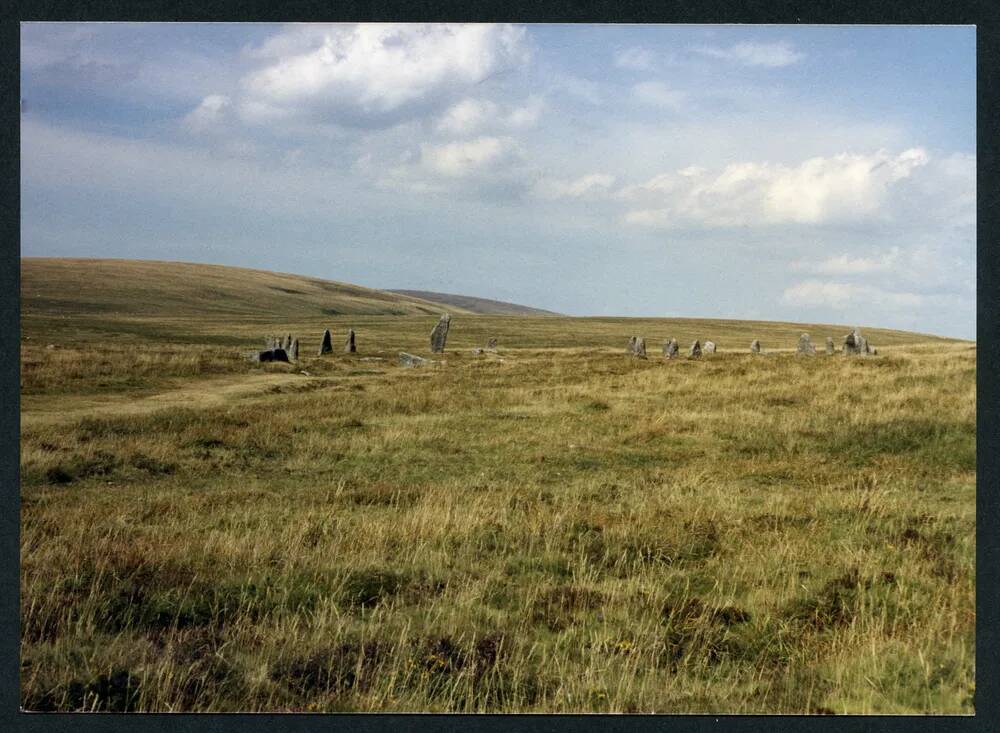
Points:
555	528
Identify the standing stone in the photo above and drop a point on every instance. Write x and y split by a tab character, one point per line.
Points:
755	346
855	343
640	347
709	347
631	345
273	355
440	334
295	350
409	360
349	347
829	346
805	345
695	351
286	344
491	345
670	349
873	351
327	346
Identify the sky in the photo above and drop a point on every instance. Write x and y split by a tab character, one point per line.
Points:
798	173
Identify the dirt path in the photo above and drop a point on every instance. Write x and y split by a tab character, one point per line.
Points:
208	392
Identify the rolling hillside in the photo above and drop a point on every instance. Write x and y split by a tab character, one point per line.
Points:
483	306
81	287
79	300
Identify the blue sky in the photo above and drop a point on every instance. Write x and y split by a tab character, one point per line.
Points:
821	174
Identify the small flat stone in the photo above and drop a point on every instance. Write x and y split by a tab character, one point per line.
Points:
410	360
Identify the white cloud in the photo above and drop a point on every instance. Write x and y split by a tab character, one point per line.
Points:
459	159
840	188
658	94
845	264
842	296
578	87
375	74
771	55
472	115
467	116
527	114
213	110
636	58
590	185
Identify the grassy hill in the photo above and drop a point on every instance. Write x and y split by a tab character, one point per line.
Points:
126	301
483	306
82	287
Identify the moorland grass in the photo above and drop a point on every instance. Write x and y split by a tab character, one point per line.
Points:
554	530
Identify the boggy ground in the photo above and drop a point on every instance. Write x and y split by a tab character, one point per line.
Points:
556	528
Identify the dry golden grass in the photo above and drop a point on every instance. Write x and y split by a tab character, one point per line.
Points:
557	528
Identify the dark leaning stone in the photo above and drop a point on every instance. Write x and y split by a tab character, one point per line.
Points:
755	346
709	347
491	345
805	345
670	349
695	351
327	346
273	355
349	347
439	336
409	360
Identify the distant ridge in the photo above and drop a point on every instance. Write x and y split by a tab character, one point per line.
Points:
63	286
482	306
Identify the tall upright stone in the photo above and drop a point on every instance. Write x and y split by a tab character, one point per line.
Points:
755	346
639	348
491	345
294	353
805	345
349	347
709	347
695	351
439	336
327	346
829	346
855	343
631	345
670	349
